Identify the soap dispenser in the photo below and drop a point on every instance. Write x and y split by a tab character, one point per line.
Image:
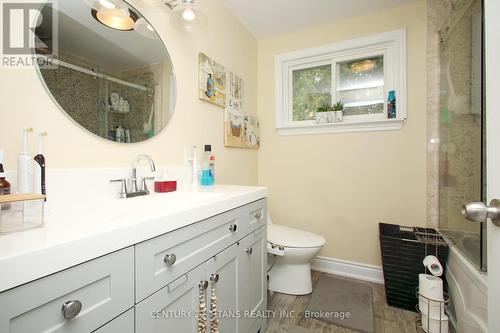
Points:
24	165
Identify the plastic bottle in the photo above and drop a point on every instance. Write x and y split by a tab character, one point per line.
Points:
391	105
208	167
24	166
39	185
211	161
4	184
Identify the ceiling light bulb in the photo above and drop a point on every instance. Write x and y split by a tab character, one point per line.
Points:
107	4
188	14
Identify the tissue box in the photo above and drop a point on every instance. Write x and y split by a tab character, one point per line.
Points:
20	212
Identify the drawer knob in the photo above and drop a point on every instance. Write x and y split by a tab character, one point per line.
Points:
258	215
249	250
233	227
204	284
170	259
71	309
214	278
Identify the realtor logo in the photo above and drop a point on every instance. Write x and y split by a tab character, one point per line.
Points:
29	33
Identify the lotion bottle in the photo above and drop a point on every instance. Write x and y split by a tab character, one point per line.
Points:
39	186
24	165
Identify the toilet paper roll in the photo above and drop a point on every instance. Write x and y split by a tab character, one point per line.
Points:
431	309
431	325
433	265
431	287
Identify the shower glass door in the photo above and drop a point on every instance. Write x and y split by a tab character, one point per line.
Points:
461	130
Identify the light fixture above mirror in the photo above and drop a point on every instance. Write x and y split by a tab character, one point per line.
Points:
186	17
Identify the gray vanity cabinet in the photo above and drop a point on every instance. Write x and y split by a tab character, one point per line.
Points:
154	286
174	308
234	273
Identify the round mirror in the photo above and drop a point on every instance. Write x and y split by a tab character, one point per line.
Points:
108	68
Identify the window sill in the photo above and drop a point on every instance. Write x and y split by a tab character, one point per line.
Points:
345	126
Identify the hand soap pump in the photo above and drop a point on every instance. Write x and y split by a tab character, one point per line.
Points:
24	163
39	186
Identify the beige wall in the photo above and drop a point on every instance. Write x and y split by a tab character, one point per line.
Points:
24	103
343	185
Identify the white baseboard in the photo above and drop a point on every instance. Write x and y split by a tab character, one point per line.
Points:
349	269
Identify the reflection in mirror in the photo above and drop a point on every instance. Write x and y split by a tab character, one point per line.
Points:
113	74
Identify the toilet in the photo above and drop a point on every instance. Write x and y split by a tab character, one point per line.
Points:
293	250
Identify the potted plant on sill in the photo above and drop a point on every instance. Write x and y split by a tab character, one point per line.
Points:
324	114
338	111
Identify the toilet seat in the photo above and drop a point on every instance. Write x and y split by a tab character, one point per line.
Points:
289	237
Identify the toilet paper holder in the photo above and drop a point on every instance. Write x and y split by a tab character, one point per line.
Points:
432	316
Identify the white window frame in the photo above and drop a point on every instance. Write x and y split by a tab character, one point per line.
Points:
392	45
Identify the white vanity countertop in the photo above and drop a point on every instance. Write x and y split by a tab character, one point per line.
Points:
75	233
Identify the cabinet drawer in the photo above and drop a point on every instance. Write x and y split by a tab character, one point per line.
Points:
173	308
123	324
186	248
256	215
104	286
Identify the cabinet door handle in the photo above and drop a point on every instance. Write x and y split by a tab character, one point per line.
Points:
249	250
71	309
233	227
214	278
203	284
258	215
170	259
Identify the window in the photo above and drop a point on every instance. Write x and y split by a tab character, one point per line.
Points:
361	86
359	72
312	87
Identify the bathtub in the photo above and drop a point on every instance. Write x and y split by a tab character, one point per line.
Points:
468	288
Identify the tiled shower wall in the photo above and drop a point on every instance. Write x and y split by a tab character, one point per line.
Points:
80	95
454	141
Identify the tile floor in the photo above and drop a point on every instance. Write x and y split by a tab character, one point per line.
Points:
387	319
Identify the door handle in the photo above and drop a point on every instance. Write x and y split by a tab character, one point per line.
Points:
477	211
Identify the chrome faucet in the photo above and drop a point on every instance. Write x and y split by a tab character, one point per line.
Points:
135	190
135	162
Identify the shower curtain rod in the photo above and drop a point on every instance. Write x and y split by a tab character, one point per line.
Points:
91	72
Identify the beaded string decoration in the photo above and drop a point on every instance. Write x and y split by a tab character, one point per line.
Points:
202	311
214	318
